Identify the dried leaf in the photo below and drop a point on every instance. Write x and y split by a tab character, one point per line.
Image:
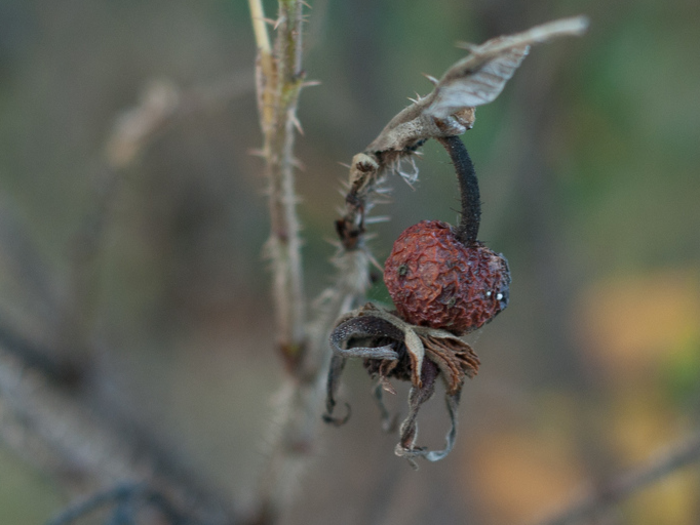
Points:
473	81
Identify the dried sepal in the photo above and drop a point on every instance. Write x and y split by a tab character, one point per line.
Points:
406	447
365	328
333	382
393	348
455	359
370	322
409	431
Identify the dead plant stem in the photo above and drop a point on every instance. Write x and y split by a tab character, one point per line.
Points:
279	82
594	505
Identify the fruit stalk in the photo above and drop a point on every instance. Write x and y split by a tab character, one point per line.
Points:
469	189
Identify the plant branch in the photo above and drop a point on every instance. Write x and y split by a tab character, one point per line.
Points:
56	430
160	104
280	79
615	491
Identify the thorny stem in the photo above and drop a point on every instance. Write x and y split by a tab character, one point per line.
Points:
280	80
469	189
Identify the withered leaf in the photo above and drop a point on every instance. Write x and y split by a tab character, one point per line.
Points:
473	81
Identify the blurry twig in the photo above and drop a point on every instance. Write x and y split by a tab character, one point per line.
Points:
86	449
613	492
94	502
69	432
162	103
127	498
44	360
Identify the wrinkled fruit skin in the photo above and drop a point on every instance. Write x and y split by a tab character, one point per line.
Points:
438	282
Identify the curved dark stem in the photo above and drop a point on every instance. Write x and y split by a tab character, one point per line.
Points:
469	188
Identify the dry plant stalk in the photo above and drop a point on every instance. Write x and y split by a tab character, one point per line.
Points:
598	501
279	82
280	79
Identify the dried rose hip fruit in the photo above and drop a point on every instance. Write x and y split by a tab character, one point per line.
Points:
437	281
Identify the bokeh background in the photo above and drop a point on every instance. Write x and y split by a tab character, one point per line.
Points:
588	165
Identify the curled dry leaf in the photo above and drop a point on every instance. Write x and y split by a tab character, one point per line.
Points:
473	81
394	349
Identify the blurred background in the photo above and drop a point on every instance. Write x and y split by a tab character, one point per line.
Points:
588	164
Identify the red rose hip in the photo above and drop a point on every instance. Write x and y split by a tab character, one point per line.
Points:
437	281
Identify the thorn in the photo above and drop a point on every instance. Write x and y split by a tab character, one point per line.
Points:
297	124
387	386
472	48
270	21
278	22
311	83
255	152
377	219
344	165
434	81
409	183
333	242
298	164
412	100
307	5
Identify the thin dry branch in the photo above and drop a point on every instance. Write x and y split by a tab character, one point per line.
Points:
605	496
280	80
90	448
162	103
